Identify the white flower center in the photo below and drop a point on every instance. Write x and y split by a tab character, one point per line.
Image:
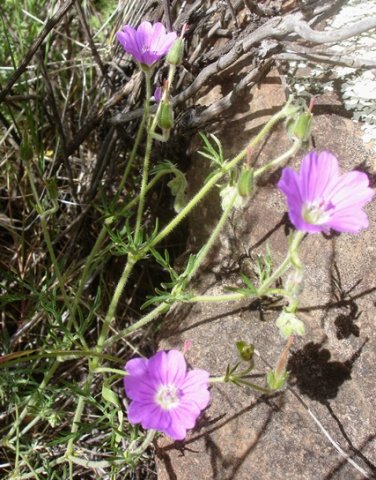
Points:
318	211
168	396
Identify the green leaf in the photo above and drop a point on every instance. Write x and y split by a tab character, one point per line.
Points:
110	396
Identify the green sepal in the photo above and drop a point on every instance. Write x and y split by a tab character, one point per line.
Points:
276	381
176	52
246	182
165	116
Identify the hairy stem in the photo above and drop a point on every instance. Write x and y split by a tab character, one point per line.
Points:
149	143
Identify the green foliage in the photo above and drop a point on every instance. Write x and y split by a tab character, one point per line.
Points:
212	150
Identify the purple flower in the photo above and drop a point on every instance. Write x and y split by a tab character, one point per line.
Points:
164	395
319	198
148	44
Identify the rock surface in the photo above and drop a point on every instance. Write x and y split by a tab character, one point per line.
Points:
243	435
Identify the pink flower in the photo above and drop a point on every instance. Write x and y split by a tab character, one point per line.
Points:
164	395
320	198
148	44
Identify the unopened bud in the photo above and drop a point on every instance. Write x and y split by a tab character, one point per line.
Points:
245	350
302	127
275	381
245	183
165	115
288	324
176	52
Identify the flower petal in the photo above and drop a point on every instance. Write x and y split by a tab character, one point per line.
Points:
182	418
137	366
140	388
168	367
289	185
350	221
195	388
156	418
128	39
316	173
136	412
351	189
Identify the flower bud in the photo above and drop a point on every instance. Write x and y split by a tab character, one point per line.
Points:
275	380
176	52
245	183
289	324
301	129
165	115
245	350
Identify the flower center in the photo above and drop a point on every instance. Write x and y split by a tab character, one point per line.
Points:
318	211
168	396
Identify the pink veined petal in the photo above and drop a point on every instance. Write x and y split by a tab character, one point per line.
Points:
164	43
289	185
149	58
351	189
128	39
156	418
140	388
190	411
144	34
182	418
157	35
316	173
137	366
349	221
122	39
201	398
137	411
195	388
168	367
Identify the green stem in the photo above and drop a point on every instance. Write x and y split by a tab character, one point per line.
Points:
264	288
78	414
193	202
284	266
254	386
161	308
277	161
229	297
217	379
213	237
144	445
171	75
224	379
99	348
122	373
149	143
112	308
149	186
215	179
132	157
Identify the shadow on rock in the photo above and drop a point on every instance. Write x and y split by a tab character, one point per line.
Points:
315	375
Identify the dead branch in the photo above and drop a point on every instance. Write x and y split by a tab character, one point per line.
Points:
279	28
